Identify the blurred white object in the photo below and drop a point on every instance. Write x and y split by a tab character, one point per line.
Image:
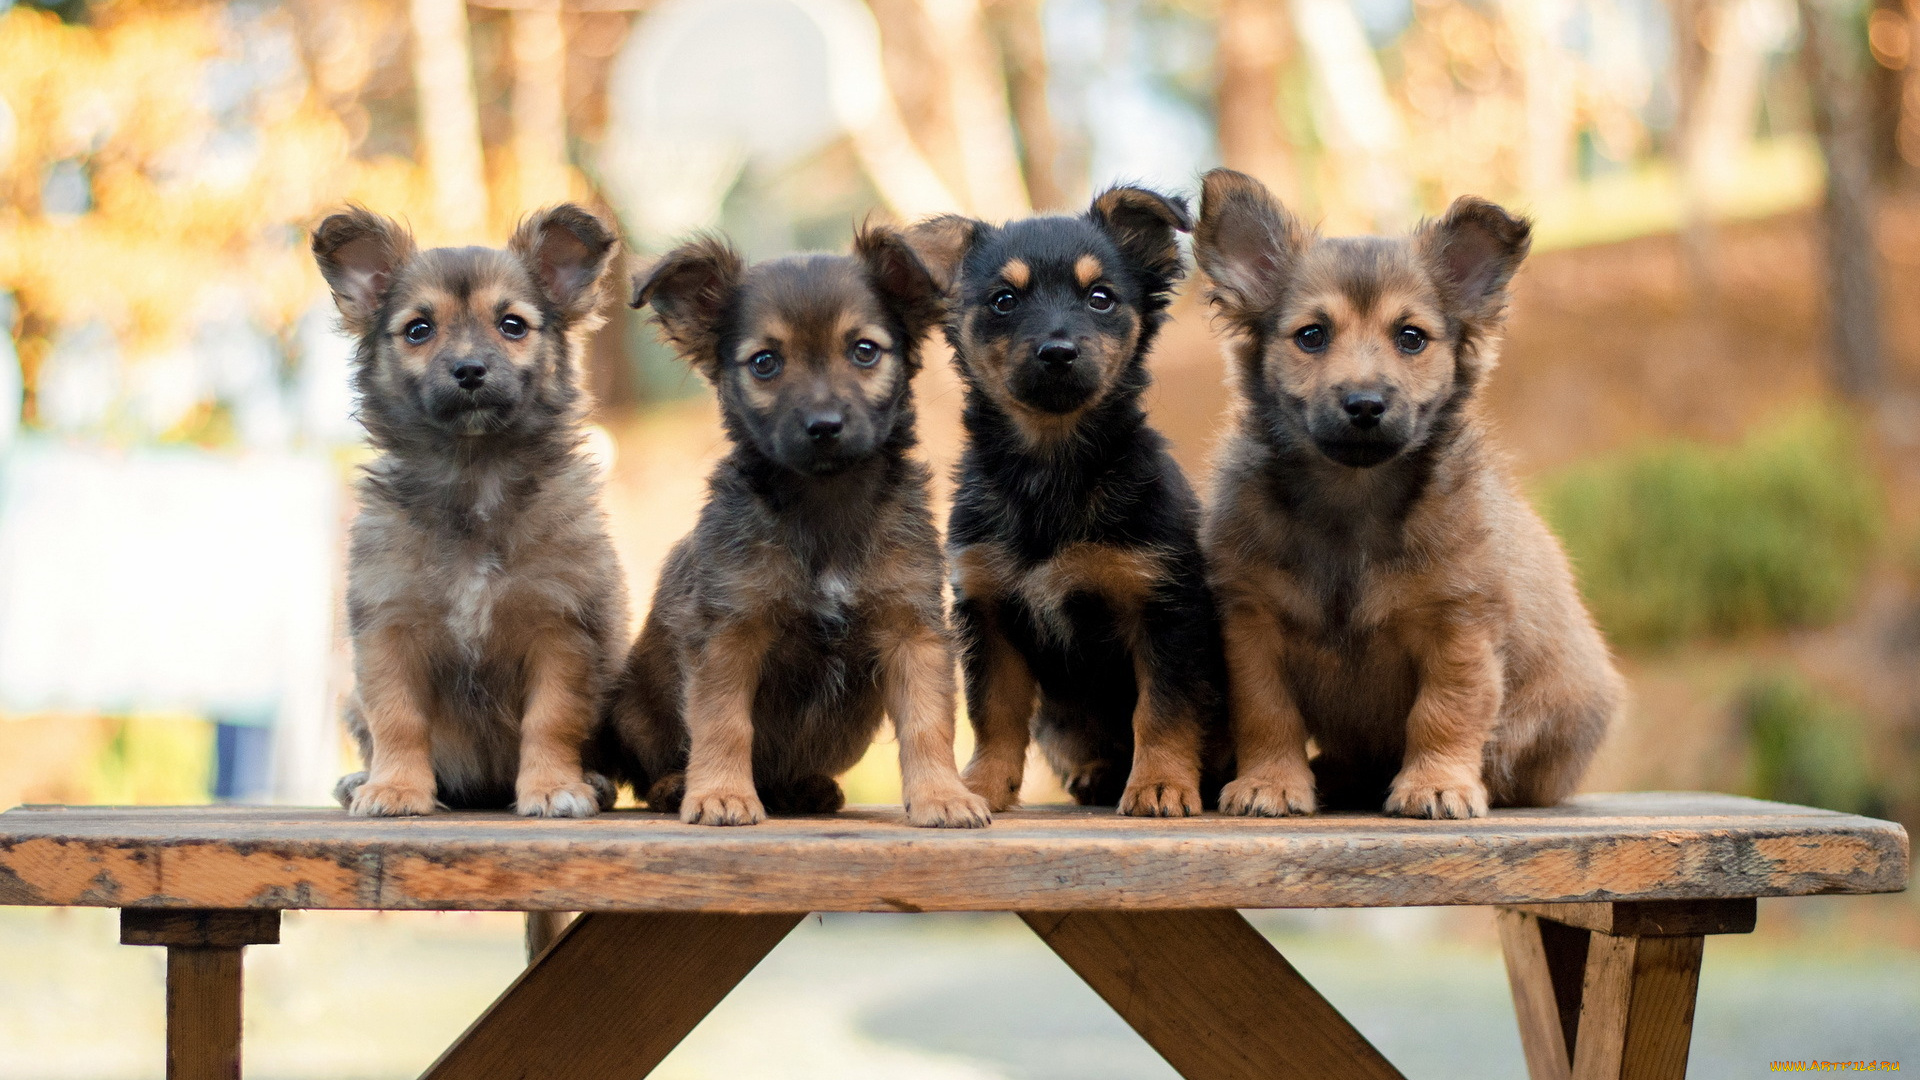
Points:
174	580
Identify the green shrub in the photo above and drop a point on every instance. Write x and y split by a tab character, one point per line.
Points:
1680	540
1804	747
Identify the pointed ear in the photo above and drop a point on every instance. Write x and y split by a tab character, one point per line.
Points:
1247	243
900	278
1143	224
1473	252
569	251
942	243
689	289
359	252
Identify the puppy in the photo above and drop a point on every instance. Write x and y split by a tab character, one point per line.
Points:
806	601
1383	587
486	607
1080	598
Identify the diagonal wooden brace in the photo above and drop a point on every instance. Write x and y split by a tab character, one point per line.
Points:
613	994
1211	994
1605	991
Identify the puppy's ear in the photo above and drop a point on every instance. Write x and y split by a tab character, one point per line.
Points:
1473	253
1246	242
900	278
1143	224
568	250
689	289
359	252
942	244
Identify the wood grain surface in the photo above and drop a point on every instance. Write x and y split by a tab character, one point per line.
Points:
1645	846
203	1013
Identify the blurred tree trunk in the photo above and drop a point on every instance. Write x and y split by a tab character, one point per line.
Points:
449	117
1364	129
1254	43
1023	50
946	75
539	105
1547	93
1836	75
1722	106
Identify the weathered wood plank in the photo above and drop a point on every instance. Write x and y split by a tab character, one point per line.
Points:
203	1013
612	996
1210	994
1546	965
1636	1016
198	927
1598	849
1655	918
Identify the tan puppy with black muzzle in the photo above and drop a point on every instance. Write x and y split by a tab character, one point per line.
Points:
1384	588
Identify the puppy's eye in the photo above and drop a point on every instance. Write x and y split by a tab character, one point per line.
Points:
1410	339
1311	338
764	364
866	353
1003	301
513	327
418	331
1101	299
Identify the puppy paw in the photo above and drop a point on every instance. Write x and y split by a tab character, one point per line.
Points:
722	808
350	783
956	809
1160	798
373	798
558	800
1258	796
1432	794
995	784
605	791
666	793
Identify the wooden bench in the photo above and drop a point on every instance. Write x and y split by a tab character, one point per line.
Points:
1603	906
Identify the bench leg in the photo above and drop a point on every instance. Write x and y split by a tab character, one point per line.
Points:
203	981
543	928
203	1013
1210	994
612	995
1597	1003
1636	1013
1546	967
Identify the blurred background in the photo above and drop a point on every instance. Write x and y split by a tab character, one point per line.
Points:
1711	388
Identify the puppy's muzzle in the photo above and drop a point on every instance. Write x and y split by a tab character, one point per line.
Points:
470	374
1057	355
1364	408
825	427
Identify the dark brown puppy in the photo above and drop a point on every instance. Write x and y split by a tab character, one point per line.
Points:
806	602
486	606
1079	591
1383	586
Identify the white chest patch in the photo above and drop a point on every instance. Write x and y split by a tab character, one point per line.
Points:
833	597
470	605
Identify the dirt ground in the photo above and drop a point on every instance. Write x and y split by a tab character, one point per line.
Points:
1608	346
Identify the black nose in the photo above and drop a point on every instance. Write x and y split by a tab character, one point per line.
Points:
1364	408
824	427
1058	355
470	374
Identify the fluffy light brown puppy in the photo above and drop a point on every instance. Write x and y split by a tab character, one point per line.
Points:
485	604
1383	587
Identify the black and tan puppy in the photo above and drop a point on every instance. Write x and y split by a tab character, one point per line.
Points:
485	604
806	602
1383	587
1079	593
